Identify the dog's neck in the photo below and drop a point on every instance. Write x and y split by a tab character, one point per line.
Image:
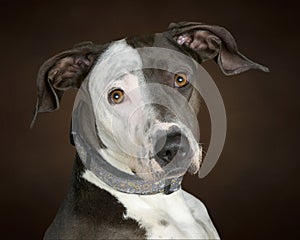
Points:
113	159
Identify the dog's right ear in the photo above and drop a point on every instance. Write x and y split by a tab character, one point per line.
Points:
62	72
207	42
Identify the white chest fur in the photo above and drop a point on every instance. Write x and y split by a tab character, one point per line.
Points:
175	216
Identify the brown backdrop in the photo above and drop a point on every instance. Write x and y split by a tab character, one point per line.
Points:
252	193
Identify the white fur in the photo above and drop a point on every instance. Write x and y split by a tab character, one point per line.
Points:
112	71
185	216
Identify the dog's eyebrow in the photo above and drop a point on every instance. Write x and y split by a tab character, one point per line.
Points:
121	76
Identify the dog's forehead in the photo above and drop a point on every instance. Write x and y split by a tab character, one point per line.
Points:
140	52
118	59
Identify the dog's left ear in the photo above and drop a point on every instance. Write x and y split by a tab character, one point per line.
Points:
212	42
62	72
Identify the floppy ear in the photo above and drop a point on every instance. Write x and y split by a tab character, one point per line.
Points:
212	42
62	72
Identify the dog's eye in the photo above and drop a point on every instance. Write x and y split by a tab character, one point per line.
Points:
116	96
180	80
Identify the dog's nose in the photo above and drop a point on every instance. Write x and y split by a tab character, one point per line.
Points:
174	144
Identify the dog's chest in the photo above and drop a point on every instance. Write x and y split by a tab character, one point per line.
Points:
169	216
176	216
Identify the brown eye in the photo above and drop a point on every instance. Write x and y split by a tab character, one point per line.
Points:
116	96
180	80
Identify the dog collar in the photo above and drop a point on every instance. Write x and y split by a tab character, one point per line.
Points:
143	187
126	183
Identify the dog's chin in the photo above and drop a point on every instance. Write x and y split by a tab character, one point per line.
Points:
148	170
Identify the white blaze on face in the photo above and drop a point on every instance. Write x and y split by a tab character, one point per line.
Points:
118	68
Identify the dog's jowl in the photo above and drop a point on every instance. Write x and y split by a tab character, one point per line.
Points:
135	130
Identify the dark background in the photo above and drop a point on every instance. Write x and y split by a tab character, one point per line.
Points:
252	193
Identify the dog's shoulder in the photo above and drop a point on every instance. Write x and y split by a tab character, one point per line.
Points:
90	212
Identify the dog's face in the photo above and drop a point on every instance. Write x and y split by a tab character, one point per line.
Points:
137	97
143	99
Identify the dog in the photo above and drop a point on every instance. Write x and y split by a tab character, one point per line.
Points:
122	190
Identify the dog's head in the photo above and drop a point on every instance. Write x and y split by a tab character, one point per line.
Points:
142	92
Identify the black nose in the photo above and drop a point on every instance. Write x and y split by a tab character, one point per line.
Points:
174	144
